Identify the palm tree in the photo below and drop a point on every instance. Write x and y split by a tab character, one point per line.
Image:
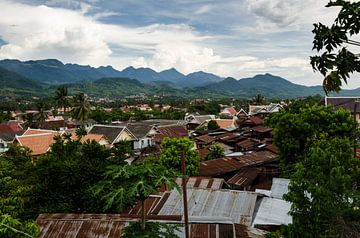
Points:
61	98
41	115
81	107
258	99
126	184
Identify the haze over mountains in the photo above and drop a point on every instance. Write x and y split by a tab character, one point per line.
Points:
43	76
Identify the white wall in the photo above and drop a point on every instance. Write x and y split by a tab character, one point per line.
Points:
3	146
143	143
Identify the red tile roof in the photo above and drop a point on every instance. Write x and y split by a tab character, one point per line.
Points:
38	143
10	127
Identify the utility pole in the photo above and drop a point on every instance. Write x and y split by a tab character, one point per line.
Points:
184	178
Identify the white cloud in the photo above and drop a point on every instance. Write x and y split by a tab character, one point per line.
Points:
73	35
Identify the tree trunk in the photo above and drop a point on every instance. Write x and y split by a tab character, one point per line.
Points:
143	214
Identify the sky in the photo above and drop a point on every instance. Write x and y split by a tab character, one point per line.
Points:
237	38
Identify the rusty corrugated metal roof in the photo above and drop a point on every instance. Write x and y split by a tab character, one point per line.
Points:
230	164
244	177
112	225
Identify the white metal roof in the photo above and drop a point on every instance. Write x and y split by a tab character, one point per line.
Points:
208	205
272	211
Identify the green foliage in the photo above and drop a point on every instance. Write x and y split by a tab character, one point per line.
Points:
15	193
296	130
80	132
212	125
5	116
13	228
64	175
322	191
81	107
216	151
152	230
61	97
170	157
124	184
336	62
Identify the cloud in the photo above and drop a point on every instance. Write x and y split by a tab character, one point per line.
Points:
76	34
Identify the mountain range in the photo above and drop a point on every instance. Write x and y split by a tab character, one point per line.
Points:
40	77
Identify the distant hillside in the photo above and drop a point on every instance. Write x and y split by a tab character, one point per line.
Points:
52	71
120	87
11	82
267	85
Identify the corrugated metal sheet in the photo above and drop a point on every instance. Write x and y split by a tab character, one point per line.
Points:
200	182
208	205
226	165
112	225
244	177
279	187
272	211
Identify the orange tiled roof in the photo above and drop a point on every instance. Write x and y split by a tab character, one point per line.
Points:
95	137
38	143
222	123
37	132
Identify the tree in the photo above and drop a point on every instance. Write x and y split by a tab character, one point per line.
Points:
170	155
81	107
80	132
63	176
216	152
15	194
61	98
295	131
123	185
337	62
323	192
41	115
258	99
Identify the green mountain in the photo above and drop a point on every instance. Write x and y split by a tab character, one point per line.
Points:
267	85
13	83
52	71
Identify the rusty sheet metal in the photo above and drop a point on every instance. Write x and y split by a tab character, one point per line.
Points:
261	129
202	182
112	225
217	206
229	164
244	177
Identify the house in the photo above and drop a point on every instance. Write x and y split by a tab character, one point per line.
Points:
242	113
170	131
8	132
248	144
212	212
250	121
228	112
112	133
227	124
193	120
272	210
38	141
230	165
350	103
261	132
101	139
141	132
263	110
